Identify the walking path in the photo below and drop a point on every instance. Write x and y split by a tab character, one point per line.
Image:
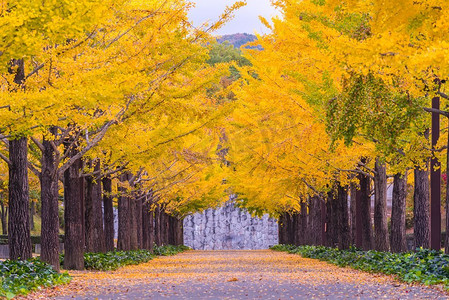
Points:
236	275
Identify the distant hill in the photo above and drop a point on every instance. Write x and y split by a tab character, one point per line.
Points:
237	39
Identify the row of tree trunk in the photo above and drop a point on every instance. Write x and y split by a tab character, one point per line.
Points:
88	211
139	226
342	217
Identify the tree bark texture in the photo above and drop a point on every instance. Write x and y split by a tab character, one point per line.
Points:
108	214
365	210
315	221
421	208
19	216
74	217
134	224
172	230
147	226
381	241
398	235
297	234
157	227
446	242
179	232
342	217
139	206
124	218
302	224
332	219
290	229
164	227
95	238
151	226
281	234
49	206
4	217
353	192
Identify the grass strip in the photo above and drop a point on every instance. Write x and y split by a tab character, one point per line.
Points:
423	265
22	277
113	260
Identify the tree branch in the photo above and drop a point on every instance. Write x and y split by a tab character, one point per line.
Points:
318	194
6	159
443	95
89	146
38	144
438	111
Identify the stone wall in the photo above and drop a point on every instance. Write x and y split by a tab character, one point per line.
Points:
229	227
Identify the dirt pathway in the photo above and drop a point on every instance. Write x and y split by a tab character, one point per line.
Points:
236	275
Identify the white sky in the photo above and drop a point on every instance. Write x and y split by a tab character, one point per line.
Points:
246	19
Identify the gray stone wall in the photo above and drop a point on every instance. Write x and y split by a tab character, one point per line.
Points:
229	227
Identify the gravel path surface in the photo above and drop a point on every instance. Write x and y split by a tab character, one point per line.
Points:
236	275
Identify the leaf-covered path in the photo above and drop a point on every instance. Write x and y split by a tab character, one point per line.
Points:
236	275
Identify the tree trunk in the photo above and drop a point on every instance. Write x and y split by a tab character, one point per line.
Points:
329	223
74	217
333	218
381	242
353	192
303	228
421	208
50	206
365	210
342	217
139	225
151	236
108	214
133	224
179	232
281	235
95	239
157	227
171	231
164	228
19	213
146	225
124	218
310	225
315	221
4	216
446	242
175	231
297	229
398	237
323	239
89	215
99	245
287	228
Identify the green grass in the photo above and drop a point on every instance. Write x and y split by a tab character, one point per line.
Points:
115	259
424	266
23	277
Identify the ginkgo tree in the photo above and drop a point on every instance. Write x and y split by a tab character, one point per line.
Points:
104	65
32	33
406	50
337	61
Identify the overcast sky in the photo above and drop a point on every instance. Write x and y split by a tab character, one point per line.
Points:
246	19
